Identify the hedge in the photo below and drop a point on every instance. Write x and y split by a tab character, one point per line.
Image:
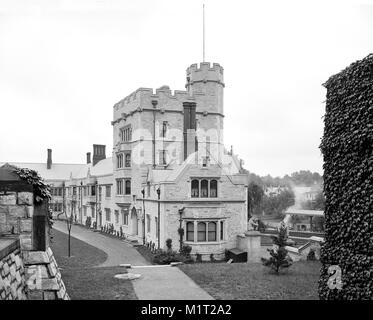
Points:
347	147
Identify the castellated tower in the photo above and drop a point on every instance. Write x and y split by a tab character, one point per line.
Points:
208	81
206	85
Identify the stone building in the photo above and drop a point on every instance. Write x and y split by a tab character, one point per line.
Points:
169	170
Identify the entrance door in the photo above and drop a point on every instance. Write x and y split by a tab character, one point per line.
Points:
134	222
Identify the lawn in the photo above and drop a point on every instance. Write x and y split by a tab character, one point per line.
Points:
248	281
83	279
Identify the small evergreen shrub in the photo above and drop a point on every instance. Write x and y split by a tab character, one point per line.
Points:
279	258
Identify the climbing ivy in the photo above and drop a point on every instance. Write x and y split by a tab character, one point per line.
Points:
41	190
347	147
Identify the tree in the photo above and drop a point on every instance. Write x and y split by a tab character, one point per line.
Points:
279	258
69	222
277	204
255	196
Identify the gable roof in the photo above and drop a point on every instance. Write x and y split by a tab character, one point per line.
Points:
59	171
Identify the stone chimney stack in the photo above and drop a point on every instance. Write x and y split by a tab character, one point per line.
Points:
98	153
88	157
49	159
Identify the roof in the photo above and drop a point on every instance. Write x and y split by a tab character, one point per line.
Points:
305	212
63	171
59	171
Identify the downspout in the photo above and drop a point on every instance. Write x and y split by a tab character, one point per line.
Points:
154	103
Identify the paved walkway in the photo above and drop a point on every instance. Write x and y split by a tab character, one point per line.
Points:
156	282
118	251
166	283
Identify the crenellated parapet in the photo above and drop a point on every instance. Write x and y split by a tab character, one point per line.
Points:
205	72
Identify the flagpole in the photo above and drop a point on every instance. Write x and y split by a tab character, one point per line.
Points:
203	32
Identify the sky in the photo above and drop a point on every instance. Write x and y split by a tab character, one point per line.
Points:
64	64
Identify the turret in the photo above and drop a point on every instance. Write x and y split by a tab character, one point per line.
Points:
207	80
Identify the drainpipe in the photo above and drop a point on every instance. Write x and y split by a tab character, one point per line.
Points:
143	221
81	202
96	187
154	103
159	218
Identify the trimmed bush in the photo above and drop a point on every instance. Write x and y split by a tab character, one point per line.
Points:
347	147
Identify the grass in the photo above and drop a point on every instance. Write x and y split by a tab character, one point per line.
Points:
253	281
83	279
146	253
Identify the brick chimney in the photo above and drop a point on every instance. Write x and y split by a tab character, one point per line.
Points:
98	153
49	159
88	157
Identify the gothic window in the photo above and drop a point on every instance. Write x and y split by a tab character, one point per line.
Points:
128	160
190	231
107	214
195	188
211	231
120	160
201	231
128	187
120	186
108	192
125	216
213	188
204	188
164	129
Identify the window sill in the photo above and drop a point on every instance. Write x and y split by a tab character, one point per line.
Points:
205	242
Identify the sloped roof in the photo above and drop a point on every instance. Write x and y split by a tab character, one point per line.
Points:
103	167
63	171
58	171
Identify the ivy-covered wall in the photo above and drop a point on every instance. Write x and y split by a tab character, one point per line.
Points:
347	147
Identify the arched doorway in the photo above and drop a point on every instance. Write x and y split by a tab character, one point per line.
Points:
134	222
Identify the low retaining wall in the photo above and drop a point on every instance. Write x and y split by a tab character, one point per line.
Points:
12	272
29	275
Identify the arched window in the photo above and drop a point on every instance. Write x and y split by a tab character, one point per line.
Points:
211	231
128	187
128	160
213	188
190	231
195	188
201	231
204	188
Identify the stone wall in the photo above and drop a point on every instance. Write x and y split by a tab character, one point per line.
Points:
12	271
16	211
26	274
29	275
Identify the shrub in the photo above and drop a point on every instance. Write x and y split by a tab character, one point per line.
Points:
186	250
169	244
198	257
347	147
279	258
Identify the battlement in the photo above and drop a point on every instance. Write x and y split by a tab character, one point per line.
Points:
205	66
205	72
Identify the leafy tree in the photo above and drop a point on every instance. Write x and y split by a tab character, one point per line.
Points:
277	204
279	258
255	196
